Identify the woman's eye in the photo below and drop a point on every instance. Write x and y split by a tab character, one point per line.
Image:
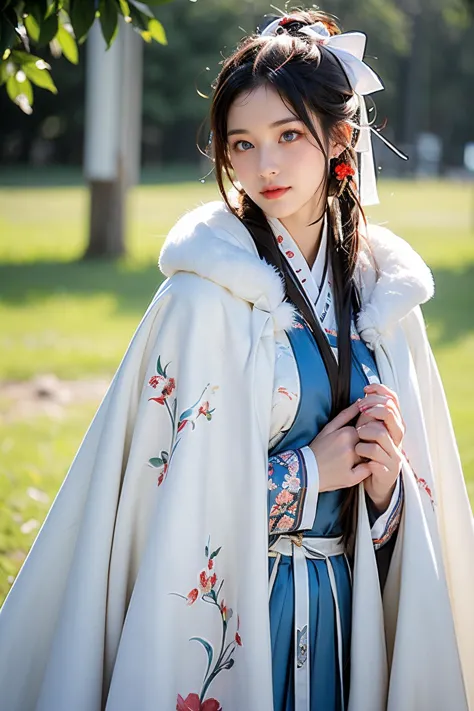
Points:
292	136
242	145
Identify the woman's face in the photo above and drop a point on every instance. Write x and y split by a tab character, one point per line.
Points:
270	146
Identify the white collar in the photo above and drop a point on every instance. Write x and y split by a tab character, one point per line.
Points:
310	278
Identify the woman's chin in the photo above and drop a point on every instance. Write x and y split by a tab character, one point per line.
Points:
279	208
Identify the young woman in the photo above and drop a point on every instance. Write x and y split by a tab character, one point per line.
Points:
267	512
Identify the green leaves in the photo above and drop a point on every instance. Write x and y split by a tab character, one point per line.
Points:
157	31
48	30
61	24
20	91
40	76
8	21
108	20
82	15
68	45
19	72
142	17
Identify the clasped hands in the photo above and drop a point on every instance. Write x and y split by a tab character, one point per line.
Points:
369	451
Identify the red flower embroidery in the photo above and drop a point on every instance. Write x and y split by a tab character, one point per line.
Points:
210	564
223	610
193	703
204	409
238	639
193	596
285	523
279	239
284	391
167	389
344	170
284	497
213	579
290	254
162	476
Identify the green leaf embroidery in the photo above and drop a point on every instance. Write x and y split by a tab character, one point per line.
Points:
207	647
159	368
156	462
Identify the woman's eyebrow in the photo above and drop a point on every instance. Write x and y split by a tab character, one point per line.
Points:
290	119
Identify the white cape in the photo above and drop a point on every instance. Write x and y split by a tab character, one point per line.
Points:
136	596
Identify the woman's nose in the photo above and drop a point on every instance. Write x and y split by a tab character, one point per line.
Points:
268	166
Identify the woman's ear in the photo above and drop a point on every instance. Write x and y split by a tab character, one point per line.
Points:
343	140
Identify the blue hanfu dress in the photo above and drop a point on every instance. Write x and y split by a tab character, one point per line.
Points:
309	573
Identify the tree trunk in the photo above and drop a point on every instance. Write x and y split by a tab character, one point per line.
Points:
106	223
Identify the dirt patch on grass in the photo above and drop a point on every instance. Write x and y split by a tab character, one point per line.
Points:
47	395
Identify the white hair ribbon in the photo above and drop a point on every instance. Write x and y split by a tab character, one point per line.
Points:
349	48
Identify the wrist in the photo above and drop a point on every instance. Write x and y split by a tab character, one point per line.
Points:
380	501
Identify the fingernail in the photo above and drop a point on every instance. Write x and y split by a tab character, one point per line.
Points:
363	408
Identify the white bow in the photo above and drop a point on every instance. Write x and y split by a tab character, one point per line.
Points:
349	48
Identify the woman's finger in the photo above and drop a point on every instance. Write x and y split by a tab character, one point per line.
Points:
377	399
391	421
377	432
365	470
381	389
361	472
374	452
342	419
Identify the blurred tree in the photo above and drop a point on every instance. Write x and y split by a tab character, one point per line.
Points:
61	24
200	33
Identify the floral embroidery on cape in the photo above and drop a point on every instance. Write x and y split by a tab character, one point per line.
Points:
166	386
208	590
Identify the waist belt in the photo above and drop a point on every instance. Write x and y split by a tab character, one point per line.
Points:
301	548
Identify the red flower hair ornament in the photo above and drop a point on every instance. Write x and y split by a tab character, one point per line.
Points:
344	170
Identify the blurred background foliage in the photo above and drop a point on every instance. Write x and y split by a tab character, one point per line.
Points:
423	49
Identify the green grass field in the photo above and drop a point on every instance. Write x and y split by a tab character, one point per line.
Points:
74	319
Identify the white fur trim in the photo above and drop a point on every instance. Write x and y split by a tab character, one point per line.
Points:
284	317
212	242
393	279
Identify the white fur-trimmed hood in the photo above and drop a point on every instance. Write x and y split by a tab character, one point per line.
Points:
211	242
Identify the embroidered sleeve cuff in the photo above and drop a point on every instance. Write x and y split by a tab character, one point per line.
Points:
292	491
312	483
386	524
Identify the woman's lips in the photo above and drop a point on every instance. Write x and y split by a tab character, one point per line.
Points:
274	194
